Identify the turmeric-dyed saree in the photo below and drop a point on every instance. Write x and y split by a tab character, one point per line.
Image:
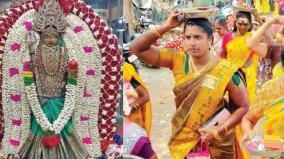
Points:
269	108
247	61
239	53
198	96
142	116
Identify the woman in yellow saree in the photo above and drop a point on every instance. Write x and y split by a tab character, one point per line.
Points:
277	70
262	6
141	112
201	79
243	48
237	48
268	106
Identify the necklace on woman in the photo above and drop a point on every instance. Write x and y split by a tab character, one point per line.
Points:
196	71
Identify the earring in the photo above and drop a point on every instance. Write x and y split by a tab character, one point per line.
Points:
210	48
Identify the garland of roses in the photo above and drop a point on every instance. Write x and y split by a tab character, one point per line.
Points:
111	73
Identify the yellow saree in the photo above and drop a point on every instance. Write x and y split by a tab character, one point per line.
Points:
262	6
143	116
238	52
277	70
276	9
198	97
269	105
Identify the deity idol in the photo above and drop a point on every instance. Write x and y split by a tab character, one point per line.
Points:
51	87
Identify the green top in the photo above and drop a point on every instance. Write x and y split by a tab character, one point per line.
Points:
134	83
52	109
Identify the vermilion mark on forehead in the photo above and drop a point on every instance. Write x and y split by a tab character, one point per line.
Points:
193	30
243	20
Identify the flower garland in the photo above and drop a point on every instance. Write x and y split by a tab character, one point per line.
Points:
15	106
66	112
111	78
105	77
12	65
83	45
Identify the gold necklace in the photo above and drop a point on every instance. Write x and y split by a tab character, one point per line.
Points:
53	62
195	70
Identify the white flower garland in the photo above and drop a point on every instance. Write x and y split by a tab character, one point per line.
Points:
21	109
65	114
75	43
36	108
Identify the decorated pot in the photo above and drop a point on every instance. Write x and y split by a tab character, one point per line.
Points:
201	3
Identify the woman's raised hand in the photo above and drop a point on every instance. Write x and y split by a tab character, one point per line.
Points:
276	20
173	21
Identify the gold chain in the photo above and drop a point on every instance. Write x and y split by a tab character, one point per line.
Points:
195	70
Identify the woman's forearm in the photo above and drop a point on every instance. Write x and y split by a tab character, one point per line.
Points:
268	35
233	120
247	124
258	35
144	41
139	101
142	45
143	97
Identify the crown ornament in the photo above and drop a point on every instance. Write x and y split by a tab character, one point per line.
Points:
51	17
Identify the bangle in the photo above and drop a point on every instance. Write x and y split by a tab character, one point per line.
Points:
216	135
136	106
156	33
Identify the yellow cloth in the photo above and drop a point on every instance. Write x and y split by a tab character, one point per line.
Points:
273	125
237	49
143	116
262	6
269	92
269	104
277	70
251	76
238	52
167	59
276	8
213	84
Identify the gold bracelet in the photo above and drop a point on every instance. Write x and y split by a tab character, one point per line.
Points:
136	106
156	33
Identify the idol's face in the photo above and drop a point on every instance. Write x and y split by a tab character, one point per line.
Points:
50	40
